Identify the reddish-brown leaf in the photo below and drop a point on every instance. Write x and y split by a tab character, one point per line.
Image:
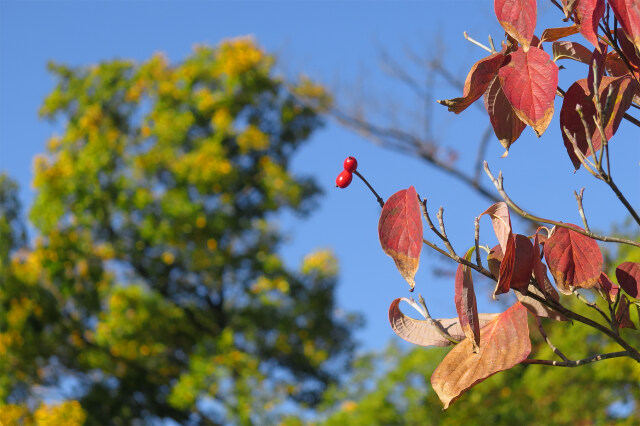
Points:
516	266
575	260
506	268
615	66
400	232
501	221
608	287
623	317
478	79
589	13
553	34
465	301
494	259
622	90
628	49
628	275
537	308
529	81
518	18
540	271
628	14
506	124
570	50
504	343
423	332
597	60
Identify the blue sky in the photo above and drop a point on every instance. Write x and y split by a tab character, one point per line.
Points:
338	44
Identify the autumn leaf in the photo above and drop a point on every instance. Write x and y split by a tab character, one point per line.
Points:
628	275
608	287
628	49
568	7
506	124
623	316
504	343
529	81
570	50
553	34
622	90
423	332
478	79
400	232
518	18
501	221
588	14
628	14
494	259
574	260
540	270
516	266
465	301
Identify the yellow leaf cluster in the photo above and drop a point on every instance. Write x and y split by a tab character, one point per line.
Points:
237	56
321	262
252	139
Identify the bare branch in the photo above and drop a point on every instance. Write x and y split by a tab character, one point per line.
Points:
578	362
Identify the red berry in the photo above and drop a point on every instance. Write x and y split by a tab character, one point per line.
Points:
344	179
350	164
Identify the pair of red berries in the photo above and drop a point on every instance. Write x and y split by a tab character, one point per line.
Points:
344	178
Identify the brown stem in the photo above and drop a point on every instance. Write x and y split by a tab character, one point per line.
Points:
578	362
546	339
499	186
378	198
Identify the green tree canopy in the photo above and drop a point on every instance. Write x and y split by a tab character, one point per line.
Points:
153	288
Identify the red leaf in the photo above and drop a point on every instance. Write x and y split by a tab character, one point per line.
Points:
608	287
628	275
574	259
501	221
516	266
494	259
628	49
506	268
478	79
465	300
615	66
579	94
536	308
506	124
540	271
589	13
400	232
623	316
423	332
628	14
597	59
570	50
505	343
553	34
518	18
529	81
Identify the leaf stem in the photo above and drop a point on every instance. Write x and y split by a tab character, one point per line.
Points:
378	198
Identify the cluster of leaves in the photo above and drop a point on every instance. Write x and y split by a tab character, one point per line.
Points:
520	82
154	285
519	85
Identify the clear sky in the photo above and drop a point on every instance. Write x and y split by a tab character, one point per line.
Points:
338	44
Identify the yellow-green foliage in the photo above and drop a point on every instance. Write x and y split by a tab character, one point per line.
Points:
154	278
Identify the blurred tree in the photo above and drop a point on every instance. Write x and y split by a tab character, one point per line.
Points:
154	289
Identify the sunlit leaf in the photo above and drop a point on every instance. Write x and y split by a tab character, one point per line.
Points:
574	260
518	18
400	232
628	275
504	343
504	120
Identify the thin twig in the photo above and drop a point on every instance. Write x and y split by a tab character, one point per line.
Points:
439	328
378	198
592	305
425	213
546	339
499	186
477	241
578	362
581	209
445	240
477	43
